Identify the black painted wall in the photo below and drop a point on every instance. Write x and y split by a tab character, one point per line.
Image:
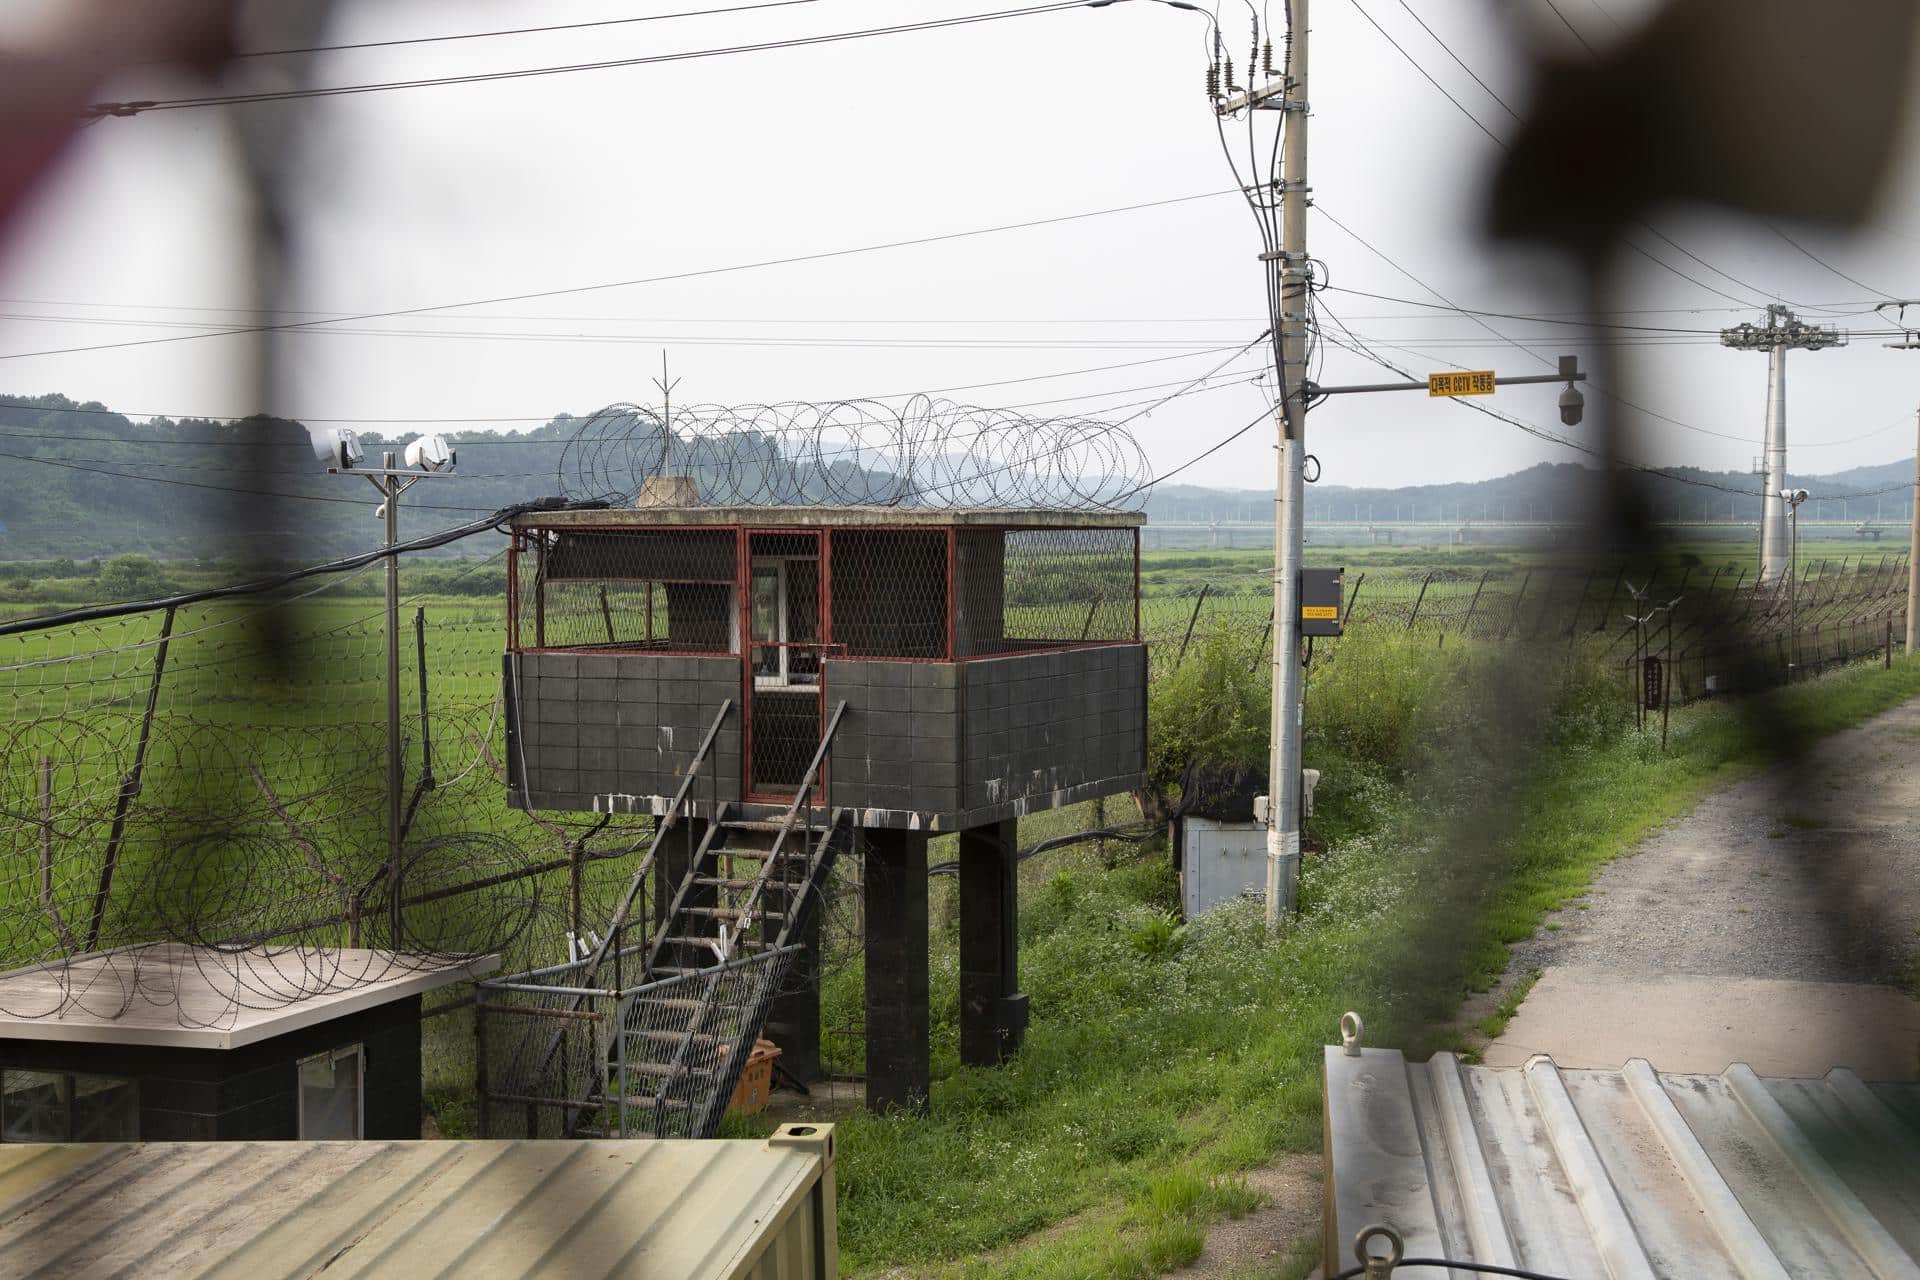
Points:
932	745
945	746
251	1093
589	726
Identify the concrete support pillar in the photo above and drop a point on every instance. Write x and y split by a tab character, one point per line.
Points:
670	868
793	1022
993	1016
899	1069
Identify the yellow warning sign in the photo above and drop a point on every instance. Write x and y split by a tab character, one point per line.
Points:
1323	612
1469	382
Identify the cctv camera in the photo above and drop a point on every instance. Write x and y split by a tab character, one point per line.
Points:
336	446
1573	406
430	453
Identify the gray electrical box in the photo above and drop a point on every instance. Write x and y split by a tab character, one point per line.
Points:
1322	598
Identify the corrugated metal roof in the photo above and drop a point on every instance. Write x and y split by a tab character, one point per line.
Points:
260	1210
1628	1173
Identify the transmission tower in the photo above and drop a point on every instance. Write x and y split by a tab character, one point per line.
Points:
1782	332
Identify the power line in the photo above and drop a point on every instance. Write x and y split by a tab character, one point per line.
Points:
95	613
1542	433
1562	317
1570	27
1502	144
519	31
850	342
7	431
1503	337
104	109
219	488
1823	262
791	260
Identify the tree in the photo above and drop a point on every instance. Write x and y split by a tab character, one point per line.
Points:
133	577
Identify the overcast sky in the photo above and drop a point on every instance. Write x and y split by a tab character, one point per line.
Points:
438	195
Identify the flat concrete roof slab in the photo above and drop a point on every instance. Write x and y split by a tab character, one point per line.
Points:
172	994
827	517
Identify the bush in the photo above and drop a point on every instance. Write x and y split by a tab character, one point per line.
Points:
132	577
1212	707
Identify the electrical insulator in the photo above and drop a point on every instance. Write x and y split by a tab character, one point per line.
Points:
1213	81
1266	57
1231	86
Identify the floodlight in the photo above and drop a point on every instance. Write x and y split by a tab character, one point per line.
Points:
430	453
1794	497
336	445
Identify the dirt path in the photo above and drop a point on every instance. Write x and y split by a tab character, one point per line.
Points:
1777	924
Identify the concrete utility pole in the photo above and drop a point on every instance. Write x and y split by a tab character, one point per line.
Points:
1289	96
1910	343
1913	540
1781	333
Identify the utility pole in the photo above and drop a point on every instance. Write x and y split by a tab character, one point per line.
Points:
1913	538
1287	95
426	458
1911	342
1782	332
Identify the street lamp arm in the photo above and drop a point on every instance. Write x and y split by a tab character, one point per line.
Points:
1316	389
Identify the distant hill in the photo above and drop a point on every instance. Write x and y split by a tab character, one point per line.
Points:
78	480
1549	490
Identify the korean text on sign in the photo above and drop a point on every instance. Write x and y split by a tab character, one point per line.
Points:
1469	382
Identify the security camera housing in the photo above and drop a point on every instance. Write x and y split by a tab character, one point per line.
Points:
1573	406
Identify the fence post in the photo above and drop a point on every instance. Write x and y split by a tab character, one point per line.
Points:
1606	610
1424	584
130	786
1518	597
481	1115
1193	618
1466	627
1353	596
47	904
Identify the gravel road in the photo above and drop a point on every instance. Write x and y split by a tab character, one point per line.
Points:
1776	924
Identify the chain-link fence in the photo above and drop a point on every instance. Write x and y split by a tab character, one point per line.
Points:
1714	628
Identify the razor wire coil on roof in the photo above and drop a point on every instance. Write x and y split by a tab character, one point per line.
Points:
925	453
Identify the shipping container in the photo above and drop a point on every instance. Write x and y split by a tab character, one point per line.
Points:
684	1210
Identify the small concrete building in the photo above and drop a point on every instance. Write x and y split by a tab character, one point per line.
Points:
169	1042
930	671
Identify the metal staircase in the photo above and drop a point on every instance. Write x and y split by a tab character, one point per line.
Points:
682	1038
661	1057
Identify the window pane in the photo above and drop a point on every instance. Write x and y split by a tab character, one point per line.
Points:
330	1096
766	603
105	1109
34	1106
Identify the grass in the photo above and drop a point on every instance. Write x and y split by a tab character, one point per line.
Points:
1496	1022
1468	793
1147	1073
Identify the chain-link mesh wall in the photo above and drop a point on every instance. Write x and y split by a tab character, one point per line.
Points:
661	590
890	593
1025	589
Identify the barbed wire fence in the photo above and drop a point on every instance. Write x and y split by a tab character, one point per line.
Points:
160	784
1713	629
